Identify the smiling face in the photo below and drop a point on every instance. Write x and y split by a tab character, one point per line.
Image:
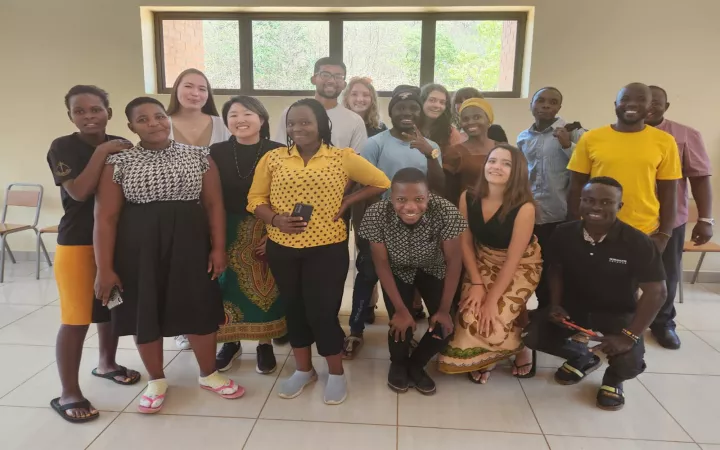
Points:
632	103
410	201
498	167
405	115
302	126
243	123
546	104
192	92
658	106
150	122
474	121
599	204
88	113
360	99
435	105
329	82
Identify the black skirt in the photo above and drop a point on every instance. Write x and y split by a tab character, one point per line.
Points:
161	257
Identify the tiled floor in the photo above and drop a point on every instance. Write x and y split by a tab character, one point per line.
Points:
673	406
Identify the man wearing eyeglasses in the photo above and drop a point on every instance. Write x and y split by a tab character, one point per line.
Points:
348	128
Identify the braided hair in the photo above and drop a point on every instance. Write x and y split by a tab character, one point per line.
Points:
321	116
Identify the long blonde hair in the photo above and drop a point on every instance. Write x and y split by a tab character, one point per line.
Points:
372	117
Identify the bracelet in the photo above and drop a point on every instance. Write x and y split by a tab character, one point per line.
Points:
630	334
664	234
273	220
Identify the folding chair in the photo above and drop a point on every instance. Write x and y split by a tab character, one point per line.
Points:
690	247
28	198
40	244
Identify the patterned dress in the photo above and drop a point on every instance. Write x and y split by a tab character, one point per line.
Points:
250	295
163	245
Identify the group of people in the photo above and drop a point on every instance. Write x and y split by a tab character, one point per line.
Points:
209	231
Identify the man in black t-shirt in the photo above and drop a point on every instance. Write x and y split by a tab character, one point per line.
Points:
596	267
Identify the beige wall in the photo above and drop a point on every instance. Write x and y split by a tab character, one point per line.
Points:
586	48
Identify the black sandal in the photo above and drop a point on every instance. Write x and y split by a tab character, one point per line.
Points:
481	372
532	367
568	375
610	398
61	410
121	372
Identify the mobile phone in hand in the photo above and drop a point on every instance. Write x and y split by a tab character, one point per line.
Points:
302	210
574	326
115	298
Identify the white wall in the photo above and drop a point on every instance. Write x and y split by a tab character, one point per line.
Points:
586	48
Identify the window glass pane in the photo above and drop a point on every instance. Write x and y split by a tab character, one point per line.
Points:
212	46
284	52
387	52
475	53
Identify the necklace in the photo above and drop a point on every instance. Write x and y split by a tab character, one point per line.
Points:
257	158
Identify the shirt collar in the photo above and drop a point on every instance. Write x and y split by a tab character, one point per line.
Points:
559	122
324	150
611	235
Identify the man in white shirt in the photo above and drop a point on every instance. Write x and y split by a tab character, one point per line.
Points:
348	128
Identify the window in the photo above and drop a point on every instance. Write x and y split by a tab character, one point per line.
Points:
274	54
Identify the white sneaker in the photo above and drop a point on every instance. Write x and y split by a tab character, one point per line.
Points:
182	342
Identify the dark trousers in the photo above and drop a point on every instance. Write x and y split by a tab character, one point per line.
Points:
365	281
543	233
430	289
548	337
311	281
672	260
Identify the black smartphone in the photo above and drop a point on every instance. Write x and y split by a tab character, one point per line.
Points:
302	210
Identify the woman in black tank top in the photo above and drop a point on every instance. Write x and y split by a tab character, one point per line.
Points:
502	269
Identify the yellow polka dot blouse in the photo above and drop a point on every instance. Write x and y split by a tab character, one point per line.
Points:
282	179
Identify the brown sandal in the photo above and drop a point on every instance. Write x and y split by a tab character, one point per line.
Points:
351	347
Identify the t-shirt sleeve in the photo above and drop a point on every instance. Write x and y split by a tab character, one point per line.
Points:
453	222
117	160
203	154
669	168
259	193
359	136
371	227
580	161
647	264
696	162
63	162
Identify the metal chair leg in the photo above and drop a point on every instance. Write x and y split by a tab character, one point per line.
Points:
38	241
2	258
682	298
10	253
697	268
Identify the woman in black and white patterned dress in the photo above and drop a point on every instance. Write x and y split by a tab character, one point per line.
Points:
160	238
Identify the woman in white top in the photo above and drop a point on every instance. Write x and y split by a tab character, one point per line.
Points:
195	121
194	116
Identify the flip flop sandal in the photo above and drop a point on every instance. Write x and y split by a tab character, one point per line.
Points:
481	372
61	409
531	365
352	347
121	372
150	409
610	398
237	394
568	375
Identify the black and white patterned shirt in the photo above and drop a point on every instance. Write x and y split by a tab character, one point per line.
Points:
175	173
416	247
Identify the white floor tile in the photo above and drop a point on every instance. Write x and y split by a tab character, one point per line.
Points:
583	443
280	434
29	292
141	431
37	328
710	337
11	313
20	362
410	438
694	356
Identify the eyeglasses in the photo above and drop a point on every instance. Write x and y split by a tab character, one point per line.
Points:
327	76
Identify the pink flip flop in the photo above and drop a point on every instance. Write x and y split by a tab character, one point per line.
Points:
237	394
149	409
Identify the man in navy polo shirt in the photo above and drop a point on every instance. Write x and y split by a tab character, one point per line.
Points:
596	266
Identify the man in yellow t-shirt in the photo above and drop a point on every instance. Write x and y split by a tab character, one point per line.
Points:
642	158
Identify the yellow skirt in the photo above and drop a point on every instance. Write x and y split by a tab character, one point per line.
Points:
75	277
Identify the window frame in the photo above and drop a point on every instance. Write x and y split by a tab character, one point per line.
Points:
336	30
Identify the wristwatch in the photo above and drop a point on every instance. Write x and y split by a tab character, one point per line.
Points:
710	220
434	154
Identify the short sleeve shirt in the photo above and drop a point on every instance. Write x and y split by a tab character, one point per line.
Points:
604	276
416	247
68	156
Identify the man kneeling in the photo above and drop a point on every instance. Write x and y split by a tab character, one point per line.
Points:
596	267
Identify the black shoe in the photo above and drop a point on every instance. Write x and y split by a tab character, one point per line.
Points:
226	356
419	313
265	359
667	337
370	315
421	381
398	378
282	340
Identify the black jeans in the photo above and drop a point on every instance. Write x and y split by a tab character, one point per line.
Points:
431	290
365	281
543	233
672	260
311	282
548	337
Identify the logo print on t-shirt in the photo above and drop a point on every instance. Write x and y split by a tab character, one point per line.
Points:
62	169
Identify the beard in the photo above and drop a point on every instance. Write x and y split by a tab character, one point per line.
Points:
321	92
620	114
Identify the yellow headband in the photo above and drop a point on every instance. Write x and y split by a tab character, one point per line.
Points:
482	104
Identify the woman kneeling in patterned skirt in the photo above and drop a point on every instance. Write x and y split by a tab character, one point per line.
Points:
160	240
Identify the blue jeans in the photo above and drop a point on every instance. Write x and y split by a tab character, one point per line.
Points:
365	282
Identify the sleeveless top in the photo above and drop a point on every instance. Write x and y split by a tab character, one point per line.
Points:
493	233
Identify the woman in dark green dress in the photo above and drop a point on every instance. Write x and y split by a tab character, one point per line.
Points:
250	296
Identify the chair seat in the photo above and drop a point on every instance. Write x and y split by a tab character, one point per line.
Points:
710	247
52	229
12	228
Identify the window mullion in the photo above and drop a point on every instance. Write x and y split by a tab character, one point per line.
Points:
427	51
